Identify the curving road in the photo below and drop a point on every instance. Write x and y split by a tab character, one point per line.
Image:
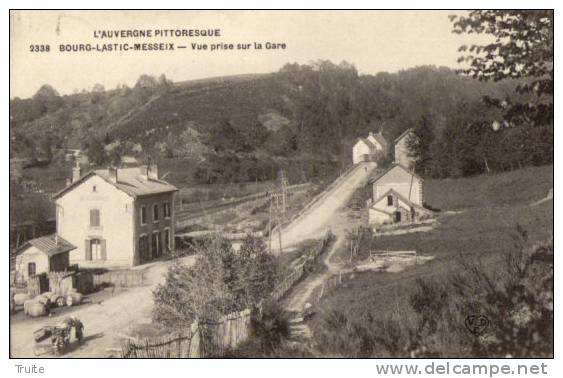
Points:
314	222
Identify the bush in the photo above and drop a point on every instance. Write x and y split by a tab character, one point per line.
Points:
514	299
270	330
220	282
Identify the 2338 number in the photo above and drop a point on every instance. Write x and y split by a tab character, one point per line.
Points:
39	48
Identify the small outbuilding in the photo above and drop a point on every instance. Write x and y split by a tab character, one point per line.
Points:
42	255
397	197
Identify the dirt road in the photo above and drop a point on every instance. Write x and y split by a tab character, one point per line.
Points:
331	213
105	323
315	221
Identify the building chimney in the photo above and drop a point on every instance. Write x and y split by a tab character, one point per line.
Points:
112	173
152	172
76	172
143	171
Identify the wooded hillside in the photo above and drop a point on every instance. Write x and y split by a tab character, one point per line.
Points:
245	128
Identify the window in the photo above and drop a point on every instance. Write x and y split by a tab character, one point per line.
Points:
94	188
167	241
94	218
31	269
96	249
155	245
144	248
155	212
397	217
143	215
389	200
167	210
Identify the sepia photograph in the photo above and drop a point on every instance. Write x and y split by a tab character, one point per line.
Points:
295	184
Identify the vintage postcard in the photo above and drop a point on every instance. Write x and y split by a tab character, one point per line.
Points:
282	184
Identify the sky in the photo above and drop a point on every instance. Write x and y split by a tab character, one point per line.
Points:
374	41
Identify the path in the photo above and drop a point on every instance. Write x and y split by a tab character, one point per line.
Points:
314	221
303	292
105	323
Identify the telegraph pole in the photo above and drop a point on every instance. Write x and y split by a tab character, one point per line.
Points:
279	223
275	211
270	227
284	185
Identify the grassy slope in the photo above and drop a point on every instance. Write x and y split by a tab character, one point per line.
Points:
481	191
495	205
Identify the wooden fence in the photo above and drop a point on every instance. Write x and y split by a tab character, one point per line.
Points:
330	283
298	267
119	278
61	282
37	284
188	213
202	339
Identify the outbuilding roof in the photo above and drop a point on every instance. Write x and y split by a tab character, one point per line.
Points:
129	180
380	139
403	134
367	142
390	168
398	195
51	245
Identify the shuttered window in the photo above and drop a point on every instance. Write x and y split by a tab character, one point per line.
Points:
144	248
155	244
155	212
167	210
87	250
94	218
167	238
143	215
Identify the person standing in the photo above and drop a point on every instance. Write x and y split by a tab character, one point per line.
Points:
78	328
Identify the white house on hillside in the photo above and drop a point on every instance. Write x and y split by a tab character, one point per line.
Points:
367	149
397	197
116	217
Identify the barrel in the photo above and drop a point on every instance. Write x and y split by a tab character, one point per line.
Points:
73	299
43	299
26	306
36	309
20	298
57	300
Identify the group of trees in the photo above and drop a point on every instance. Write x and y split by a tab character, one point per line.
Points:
498	132
522	49
460	129
468	147
72	119
229	167
221	281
